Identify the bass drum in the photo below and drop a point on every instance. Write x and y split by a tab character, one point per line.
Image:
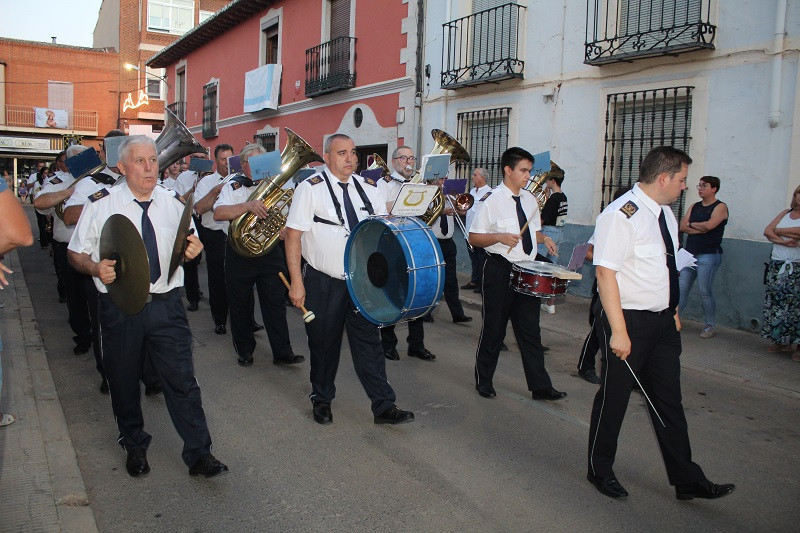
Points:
394	269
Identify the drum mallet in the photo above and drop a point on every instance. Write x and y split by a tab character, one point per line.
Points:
308	316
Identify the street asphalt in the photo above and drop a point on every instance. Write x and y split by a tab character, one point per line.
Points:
465	464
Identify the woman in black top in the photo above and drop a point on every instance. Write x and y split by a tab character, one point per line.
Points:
704	223
554	214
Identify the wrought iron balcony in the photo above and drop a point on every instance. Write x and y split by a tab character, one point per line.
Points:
330	67
482	47
624	30
23	116
179	108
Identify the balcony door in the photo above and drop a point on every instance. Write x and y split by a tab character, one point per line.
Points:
494	34
339	26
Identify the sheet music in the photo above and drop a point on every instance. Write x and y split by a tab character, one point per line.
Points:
578	257
684	259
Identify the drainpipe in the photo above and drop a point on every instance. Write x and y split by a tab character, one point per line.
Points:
777	61
2	92
419	89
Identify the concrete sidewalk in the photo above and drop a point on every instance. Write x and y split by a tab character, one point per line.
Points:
41	486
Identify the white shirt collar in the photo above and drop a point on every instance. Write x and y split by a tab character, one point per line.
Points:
648	202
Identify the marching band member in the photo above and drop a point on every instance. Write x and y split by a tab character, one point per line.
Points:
477	256
496	227
185	185
170	175
324	210
213	235
161	326
403	165
635	241
242	273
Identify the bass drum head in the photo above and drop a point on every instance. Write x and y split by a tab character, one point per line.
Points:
394	269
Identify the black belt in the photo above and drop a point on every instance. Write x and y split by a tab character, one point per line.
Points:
667	311
160	295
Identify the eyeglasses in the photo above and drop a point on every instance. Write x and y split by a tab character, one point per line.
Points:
703	185
406	158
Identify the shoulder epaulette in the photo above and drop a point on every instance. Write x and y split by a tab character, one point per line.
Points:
102	193
180	198
485	196
235	185
240	179
387	179
370	181
629	208
315	180
56	180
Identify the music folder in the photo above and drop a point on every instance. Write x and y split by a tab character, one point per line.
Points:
541	163
413	199
435	166
83	162
265	166
234	164
111	145
200	165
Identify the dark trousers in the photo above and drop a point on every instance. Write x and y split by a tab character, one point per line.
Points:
214	245
451	278
191	281
162	331
41	222
655	358
242	273
415	339
335	312
501	302
591	344
75	292
477	257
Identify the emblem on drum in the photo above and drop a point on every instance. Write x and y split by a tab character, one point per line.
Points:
407	201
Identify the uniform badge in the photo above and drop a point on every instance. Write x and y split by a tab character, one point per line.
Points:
485	196
370	181
56	181
387	179
102	193
629	209
235	185
180	198
315	180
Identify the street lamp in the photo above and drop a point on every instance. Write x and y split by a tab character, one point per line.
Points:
129	66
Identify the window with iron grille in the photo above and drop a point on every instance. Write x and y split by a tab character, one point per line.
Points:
622	30
266	140
210	110
484	134
637	122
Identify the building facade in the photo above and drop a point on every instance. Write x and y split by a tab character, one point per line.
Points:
600	82
315	66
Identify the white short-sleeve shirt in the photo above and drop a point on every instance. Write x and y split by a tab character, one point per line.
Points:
59	182
232	193
204	186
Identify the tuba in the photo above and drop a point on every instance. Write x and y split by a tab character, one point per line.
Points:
536	185
175	142
251	236
378	162
443	144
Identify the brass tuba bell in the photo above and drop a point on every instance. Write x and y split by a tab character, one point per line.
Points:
378	162
251	236
175	142
536	185
443	144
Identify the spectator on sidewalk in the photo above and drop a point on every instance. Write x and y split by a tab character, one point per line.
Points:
554	215
704	223
782	278
14	231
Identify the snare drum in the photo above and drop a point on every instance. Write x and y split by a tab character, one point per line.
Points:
394	269
537	278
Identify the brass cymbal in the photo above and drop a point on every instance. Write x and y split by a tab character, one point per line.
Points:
120	241
184	230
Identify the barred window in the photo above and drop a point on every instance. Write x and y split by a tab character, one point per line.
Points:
266	140
210	110
484	134
637	122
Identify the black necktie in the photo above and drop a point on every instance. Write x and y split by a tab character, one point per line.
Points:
527	243
443	225
352	218
149	238
674	294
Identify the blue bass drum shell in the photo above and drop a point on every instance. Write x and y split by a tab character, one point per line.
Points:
394	269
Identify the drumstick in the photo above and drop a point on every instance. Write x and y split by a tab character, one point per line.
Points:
520	234
308	316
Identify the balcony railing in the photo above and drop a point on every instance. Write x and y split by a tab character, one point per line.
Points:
624	30
23	116
330	66
179	108
482	47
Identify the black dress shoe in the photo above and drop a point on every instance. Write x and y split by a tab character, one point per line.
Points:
477	290
104	386
291	360
589	375
469	285
257	327
487	391
545	348
322	413
245	360
136	464
608	485
207	466
462	319
428	318
193	306
153	388
503	347
82	346
423	354
391	354
220	329
704	489
393	415
548	394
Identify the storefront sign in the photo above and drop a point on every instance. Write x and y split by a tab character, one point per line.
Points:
24	143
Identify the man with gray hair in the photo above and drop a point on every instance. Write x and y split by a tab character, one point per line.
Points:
477	256
242	273
161	326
